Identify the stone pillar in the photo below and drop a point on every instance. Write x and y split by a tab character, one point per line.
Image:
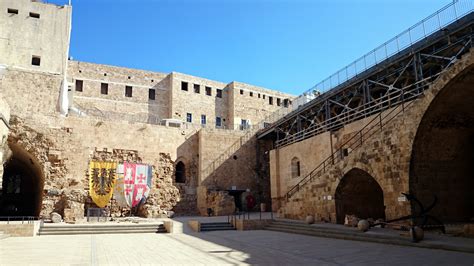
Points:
4	120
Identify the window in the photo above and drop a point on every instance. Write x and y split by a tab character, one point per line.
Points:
251	94
197	88
264	96
104	88
203	119
12	11
34	15
35	60
218	121
128	91
244	124
259	95
180	173
79	84
242	92
189	117
151	94
270	100
278	101
285	102
208	91
219	93
184	86
295	167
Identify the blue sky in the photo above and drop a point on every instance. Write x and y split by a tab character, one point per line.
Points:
285	45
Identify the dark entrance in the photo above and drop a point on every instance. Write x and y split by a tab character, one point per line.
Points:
180	174
359	194
22	186
442	161
237	194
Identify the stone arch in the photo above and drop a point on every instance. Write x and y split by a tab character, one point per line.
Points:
359	194
23	184
180	172
442	157
295	167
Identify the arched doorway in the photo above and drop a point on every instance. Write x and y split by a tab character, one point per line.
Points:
22	185
180	173
442	161
359	194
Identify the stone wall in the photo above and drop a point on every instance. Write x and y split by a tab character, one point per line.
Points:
386	156
4	120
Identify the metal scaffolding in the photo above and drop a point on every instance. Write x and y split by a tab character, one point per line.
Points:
395	80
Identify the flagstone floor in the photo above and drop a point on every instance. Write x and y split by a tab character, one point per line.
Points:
215	248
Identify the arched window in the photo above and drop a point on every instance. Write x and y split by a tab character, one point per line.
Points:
180	173
295	167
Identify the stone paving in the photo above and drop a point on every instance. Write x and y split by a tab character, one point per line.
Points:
215	248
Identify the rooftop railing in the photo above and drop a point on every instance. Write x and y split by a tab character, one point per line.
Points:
433	23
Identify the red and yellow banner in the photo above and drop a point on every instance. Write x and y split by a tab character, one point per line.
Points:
102	177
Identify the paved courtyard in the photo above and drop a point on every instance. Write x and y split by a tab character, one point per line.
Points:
213	248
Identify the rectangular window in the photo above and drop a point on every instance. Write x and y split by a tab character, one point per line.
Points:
218	121
241	92
285	102
151	94
203	119
219	93
34	15
189	118
197	88
12	11
270	100
104	88
264	96
244	124
79	84
251	94
184	86
35	60
278	101
128	91
259	95
208	91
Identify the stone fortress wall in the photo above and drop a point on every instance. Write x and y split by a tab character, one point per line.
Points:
115	113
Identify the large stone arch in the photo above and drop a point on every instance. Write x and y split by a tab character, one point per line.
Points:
359	194
442	154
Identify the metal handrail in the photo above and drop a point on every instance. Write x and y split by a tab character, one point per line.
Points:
373	126
23	219
421	30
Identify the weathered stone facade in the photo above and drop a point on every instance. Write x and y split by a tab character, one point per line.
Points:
388	156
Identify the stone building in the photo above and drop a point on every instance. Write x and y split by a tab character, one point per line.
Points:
65	113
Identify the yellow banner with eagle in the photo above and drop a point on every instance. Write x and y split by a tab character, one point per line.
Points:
102	177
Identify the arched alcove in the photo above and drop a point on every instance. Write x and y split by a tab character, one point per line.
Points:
359	194
442	160
22	185
180	173
295	167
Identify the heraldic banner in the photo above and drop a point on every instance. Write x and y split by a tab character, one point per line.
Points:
119	192
136	183
102	176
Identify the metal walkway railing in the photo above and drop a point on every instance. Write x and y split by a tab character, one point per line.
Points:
433	23
387	113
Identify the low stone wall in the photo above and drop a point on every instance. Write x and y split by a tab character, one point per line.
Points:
18	229
244	225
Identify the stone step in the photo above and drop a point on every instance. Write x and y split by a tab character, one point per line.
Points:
85	232
219	226
100	229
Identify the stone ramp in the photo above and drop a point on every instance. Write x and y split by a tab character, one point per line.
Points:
82	229
376	235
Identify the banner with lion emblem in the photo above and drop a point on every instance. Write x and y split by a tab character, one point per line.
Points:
102	177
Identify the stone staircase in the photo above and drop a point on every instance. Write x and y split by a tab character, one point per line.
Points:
100	229
205	227
375	235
